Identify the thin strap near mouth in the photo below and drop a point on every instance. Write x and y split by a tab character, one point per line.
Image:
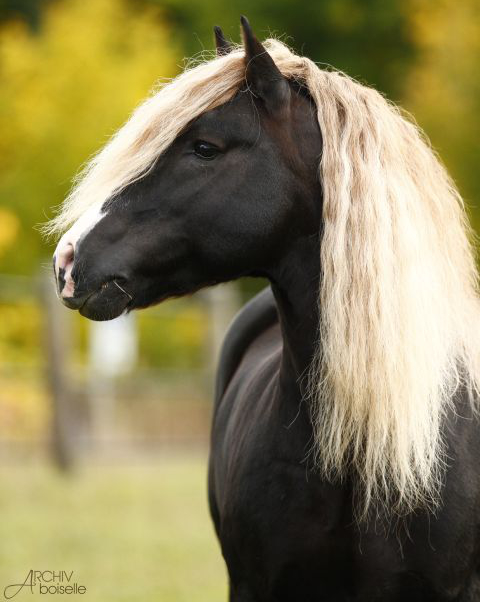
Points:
123	290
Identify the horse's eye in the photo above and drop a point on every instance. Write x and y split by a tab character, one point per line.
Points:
205	150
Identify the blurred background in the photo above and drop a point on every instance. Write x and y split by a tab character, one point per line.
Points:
103	463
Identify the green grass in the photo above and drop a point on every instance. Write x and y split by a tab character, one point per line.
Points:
128	533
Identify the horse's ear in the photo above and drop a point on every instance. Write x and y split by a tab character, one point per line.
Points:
263	76
221	42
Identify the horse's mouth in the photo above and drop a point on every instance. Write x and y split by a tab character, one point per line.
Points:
105	303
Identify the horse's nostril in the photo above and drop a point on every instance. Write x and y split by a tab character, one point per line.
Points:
65	257
63	264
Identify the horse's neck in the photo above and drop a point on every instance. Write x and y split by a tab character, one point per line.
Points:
295	284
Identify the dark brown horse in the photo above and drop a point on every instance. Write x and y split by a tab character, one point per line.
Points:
345	449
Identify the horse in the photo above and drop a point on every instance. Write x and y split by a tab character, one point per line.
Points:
345	434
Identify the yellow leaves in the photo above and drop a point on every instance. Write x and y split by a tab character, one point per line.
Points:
173	335
443	87
190	326
9	228
24	407
64	91
24	411
21	330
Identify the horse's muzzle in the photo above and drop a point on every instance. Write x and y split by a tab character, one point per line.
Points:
96	302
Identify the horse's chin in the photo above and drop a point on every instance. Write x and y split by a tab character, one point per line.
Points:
106	303
97	310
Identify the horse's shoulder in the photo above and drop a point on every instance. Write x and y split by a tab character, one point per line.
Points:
254	318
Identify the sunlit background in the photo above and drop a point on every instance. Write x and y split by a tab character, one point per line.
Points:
104	427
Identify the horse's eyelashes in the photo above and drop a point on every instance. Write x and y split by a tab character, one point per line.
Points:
205	150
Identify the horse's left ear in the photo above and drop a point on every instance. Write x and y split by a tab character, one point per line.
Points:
263	76
222	44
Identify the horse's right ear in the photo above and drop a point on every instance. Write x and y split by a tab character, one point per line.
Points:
263	76
221	42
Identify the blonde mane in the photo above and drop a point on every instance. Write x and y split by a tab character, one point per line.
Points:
399	311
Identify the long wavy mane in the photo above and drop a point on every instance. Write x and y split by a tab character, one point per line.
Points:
399	311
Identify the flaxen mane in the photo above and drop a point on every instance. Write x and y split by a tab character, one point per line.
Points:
399	311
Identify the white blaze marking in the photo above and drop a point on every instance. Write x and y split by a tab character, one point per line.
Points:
66	247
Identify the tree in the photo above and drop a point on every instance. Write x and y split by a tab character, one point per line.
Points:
443	88
64	90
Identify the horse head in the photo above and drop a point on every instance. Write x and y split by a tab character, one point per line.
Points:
226	198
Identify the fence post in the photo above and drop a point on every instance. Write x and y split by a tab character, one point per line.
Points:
112	351
58	345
